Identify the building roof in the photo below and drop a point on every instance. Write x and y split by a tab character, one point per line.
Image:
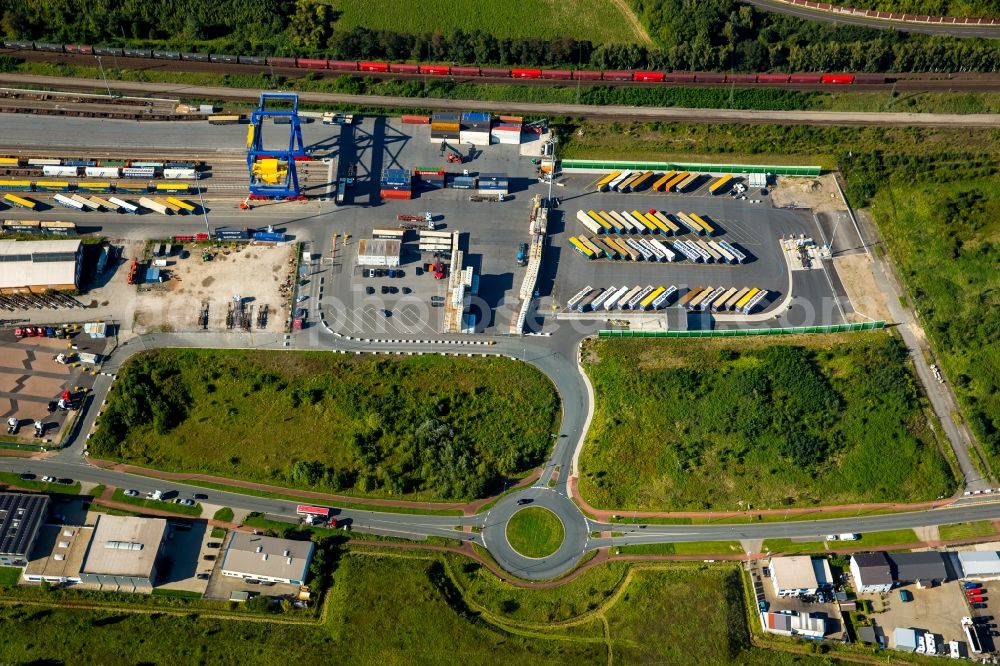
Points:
378	247
258	555
925	565
799	623
794	573
60	551
979	562
124	546
20	517
874	568
905	639
867	635
43	262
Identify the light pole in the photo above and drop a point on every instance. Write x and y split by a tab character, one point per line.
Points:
204	211
101	66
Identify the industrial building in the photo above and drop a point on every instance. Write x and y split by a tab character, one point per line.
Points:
21	516
872	572
799	575
258	557
979	564
123	551
40	265
791	623
926	568
59	554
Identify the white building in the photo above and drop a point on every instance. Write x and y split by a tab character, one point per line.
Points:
980	564
123	551
258	557
40	265
799	575
790	623
871	572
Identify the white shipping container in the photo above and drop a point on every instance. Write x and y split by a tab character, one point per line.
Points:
474	138
69	203
146	202
181	174
102	172
124	205
508	138
70	171
138	172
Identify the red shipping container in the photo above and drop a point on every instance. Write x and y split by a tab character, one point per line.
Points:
495	72
416	120
342	65
741	78
526	73
311	63
772	78
397	194
679	77
869	78
435	70
654	77
586	75
201	237
805	78
373	66
282	62
557	74
618	76
404	69
709	77
837	78
465	71
512	119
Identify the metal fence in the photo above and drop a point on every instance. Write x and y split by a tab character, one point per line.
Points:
736	333
612	165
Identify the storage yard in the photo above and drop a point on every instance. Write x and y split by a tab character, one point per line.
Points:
417	225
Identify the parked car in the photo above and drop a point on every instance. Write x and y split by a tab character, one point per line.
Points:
155	495
48	479
209	557
369	290
27	476
970	585
522	255
184	502
131	493
213	544
978	606
203	576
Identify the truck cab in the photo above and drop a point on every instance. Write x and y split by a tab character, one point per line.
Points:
522	255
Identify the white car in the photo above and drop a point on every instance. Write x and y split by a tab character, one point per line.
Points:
48	479
832	537
131	493
155	495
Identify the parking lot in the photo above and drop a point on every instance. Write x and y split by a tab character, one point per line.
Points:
222	587
803	606
938	610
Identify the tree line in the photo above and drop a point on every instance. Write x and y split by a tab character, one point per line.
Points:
720	35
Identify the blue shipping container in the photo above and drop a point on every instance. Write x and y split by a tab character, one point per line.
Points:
152	275
476	117
463	182
269	236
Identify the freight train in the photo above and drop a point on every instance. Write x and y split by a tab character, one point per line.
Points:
371	67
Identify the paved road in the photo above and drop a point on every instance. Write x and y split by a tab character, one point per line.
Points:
808	13
858	118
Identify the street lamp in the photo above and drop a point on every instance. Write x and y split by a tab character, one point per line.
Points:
101	66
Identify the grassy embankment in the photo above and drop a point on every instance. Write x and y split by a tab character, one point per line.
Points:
422	428
719	424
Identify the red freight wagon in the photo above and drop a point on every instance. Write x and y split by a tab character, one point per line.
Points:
79	48
805	78
837	78
526	73
435	70
282	62
404	69
654	77
679	77
710	77
343	65
495	72
869	78
618	76
557	74
465	71
310	63
741	78
373	66
772	78
586	75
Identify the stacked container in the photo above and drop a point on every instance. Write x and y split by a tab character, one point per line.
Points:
396	184
430	178
462	182
475	128
508	130
493	183
445	127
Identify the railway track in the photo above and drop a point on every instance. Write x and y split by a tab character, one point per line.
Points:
930	82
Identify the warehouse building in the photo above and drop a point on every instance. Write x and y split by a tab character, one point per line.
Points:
264	558
21	516
979	564
926	568
871	572
791	623
59	554
40	265
123	552
799	575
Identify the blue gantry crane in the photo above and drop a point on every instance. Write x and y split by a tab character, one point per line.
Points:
272	172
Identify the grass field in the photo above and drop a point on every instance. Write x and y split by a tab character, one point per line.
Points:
9	576
599	22
790	547
683	548
981	528
535	532
951	274
809	421
425	427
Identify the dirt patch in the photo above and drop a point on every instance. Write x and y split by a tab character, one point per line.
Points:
855	273
232	275
820	194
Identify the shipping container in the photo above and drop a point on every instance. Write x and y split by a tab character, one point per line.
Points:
138	172
64	171
601	222
582	249
622	177
720	185
592	246
679	77
495	72
741	78
68	202
194	57
311	63
665	221
415	120
51	186
660	182
746	298
93	186
102	172
617	75
650	77
700	221
626	184
557	74
396	194
598	303
639	182
174	174
754	302
710	77
734	299
687	183
614	300
869	79
108	51
154	205
602	183
224	58
520	73
123	205
19	202
373	66
252	60
625	224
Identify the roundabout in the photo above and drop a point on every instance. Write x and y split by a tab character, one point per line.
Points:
535	532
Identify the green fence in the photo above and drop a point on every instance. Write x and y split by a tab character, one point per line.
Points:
736	333
612	165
